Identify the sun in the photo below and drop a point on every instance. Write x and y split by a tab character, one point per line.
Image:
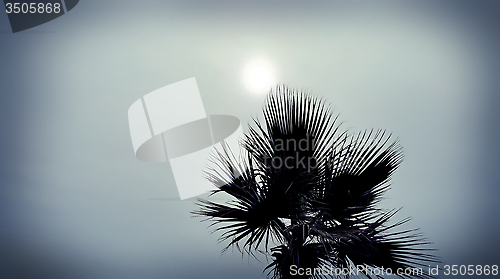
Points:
259	77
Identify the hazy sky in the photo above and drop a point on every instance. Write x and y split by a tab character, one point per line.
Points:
76	203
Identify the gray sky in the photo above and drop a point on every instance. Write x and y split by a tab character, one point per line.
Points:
76	203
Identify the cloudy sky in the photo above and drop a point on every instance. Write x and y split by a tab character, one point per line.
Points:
76	203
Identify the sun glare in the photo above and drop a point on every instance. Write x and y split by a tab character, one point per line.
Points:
259	77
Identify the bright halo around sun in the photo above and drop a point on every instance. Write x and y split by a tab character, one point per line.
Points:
259	77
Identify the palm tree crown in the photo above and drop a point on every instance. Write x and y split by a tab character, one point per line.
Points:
312	190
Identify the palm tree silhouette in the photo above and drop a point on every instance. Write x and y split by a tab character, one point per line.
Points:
312	190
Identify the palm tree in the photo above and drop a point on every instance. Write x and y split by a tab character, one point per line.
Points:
312	191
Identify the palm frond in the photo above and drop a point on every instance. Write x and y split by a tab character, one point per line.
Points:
372	245
313	189
357	175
